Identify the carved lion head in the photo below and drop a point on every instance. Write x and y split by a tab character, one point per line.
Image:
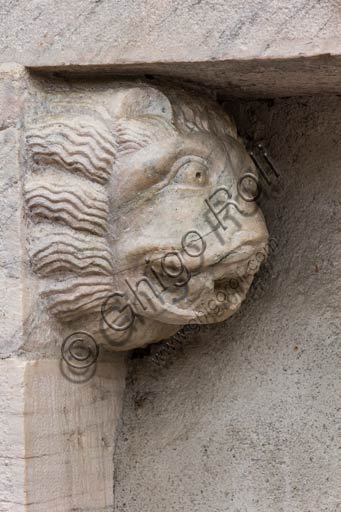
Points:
139	212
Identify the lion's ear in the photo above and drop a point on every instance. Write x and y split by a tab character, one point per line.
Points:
145	101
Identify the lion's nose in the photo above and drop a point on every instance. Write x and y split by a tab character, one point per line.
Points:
239	242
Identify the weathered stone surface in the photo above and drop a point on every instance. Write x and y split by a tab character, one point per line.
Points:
12	85
109	178
70	431
57	426
126	188
88	32
242	48
246	416
12	436
58	436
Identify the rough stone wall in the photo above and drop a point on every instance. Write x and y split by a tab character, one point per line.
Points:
245	416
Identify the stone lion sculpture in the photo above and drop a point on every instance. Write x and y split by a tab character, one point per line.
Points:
139	213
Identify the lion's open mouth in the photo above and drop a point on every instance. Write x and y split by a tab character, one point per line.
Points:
216	291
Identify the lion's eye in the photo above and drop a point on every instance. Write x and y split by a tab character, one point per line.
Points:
191	171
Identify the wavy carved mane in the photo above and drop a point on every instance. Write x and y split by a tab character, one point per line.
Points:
70	161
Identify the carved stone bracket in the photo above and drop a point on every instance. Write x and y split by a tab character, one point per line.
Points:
128	210
138	215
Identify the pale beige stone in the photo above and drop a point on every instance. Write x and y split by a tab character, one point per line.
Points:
119	181
12	86
110	180
281	425
245	416
57	426
12	436
268	48
58	436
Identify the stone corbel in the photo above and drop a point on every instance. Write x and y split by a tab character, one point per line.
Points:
128	210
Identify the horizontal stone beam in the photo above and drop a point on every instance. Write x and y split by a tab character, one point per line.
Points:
262	48
259	78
